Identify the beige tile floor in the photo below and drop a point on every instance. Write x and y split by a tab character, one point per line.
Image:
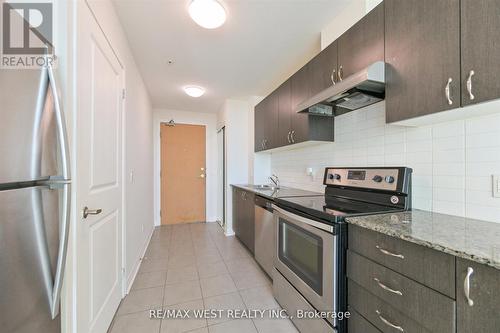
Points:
195	266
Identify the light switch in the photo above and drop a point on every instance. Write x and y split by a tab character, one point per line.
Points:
496	186
309	172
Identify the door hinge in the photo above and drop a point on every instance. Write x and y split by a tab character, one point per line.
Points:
123	93
160	213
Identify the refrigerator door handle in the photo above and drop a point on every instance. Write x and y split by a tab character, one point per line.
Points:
61	126
63	249
66	200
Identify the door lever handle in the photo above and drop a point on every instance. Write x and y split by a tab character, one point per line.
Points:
87	212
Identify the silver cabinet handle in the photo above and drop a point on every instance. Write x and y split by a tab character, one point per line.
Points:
341	73
470	271
447	91
383	286
292	136
332	77
469	85
87	212
388	323
390	253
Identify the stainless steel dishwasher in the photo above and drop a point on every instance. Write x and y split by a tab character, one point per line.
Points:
265	234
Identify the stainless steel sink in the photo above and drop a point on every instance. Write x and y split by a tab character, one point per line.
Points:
264	187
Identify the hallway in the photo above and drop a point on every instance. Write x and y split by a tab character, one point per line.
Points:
196	267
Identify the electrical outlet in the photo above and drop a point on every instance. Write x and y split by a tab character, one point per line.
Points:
496	186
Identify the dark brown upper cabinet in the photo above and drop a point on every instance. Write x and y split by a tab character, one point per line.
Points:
362	44
422	55
266	123
322	69
480	50
259	121
284	117
300	92
479	305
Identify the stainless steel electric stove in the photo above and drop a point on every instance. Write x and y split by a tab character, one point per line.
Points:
311	238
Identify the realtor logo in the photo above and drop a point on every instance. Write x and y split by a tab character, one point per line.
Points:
27	35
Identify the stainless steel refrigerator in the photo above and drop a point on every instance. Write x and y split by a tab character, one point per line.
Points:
34	201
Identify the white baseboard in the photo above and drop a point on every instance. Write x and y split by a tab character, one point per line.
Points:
229	232
135	270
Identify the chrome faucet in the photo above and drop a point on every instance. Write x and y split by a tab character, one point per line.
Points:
275	180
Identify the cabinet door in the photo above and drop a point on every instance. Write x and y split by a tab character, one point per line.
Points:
236	212
422	53
323	69
249	220
480	50
300	92
284	114
482	316
259	126
270	120
363	43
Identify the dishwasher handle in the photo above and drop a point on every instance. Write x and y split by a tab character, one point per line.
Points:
264	203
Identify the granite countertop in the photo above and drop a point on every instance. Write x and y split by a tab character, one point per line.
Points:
282	192
462	237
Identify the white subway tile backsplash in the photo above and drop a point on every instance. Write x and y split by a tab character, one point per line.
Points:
452	162
448	207
482	212
489	154
480	183
483	124
490	139
449	129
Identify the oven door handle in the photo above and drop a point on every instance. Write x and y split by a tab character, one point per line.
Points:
312	223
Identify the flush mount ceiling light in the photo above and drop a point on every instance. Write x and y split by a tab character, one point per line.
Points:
209	14
194	91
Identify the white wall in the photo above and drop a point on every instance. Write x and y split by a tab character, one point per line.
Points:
453	162
138	153
235	115
346	19
193	118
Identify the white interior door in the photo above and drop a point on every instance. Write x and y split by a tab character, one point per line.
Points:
99	182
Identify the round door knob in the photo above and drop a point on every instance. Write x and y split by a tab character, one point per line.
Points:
377	179
389	179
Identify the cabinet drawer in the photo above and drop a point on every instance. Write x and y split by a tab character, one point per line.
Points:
430	267
424	305
382	315
292	302
358	324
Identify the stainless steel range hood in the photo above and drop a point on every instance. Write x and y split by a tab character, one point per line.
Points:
354	92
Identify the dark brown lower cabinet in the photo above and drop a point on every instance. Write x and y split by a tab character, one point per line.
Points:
244	216
482	315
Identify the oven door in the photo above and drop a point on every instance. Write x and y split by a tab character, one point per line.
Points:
307	257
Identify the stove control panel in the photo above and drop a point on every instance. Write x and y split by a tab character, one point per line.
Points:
372	178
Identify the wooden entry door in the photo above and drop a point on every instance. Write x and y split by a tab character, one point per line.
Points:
183	173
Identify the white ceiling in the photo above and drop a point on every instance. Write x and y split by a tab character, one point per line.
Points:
261	44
